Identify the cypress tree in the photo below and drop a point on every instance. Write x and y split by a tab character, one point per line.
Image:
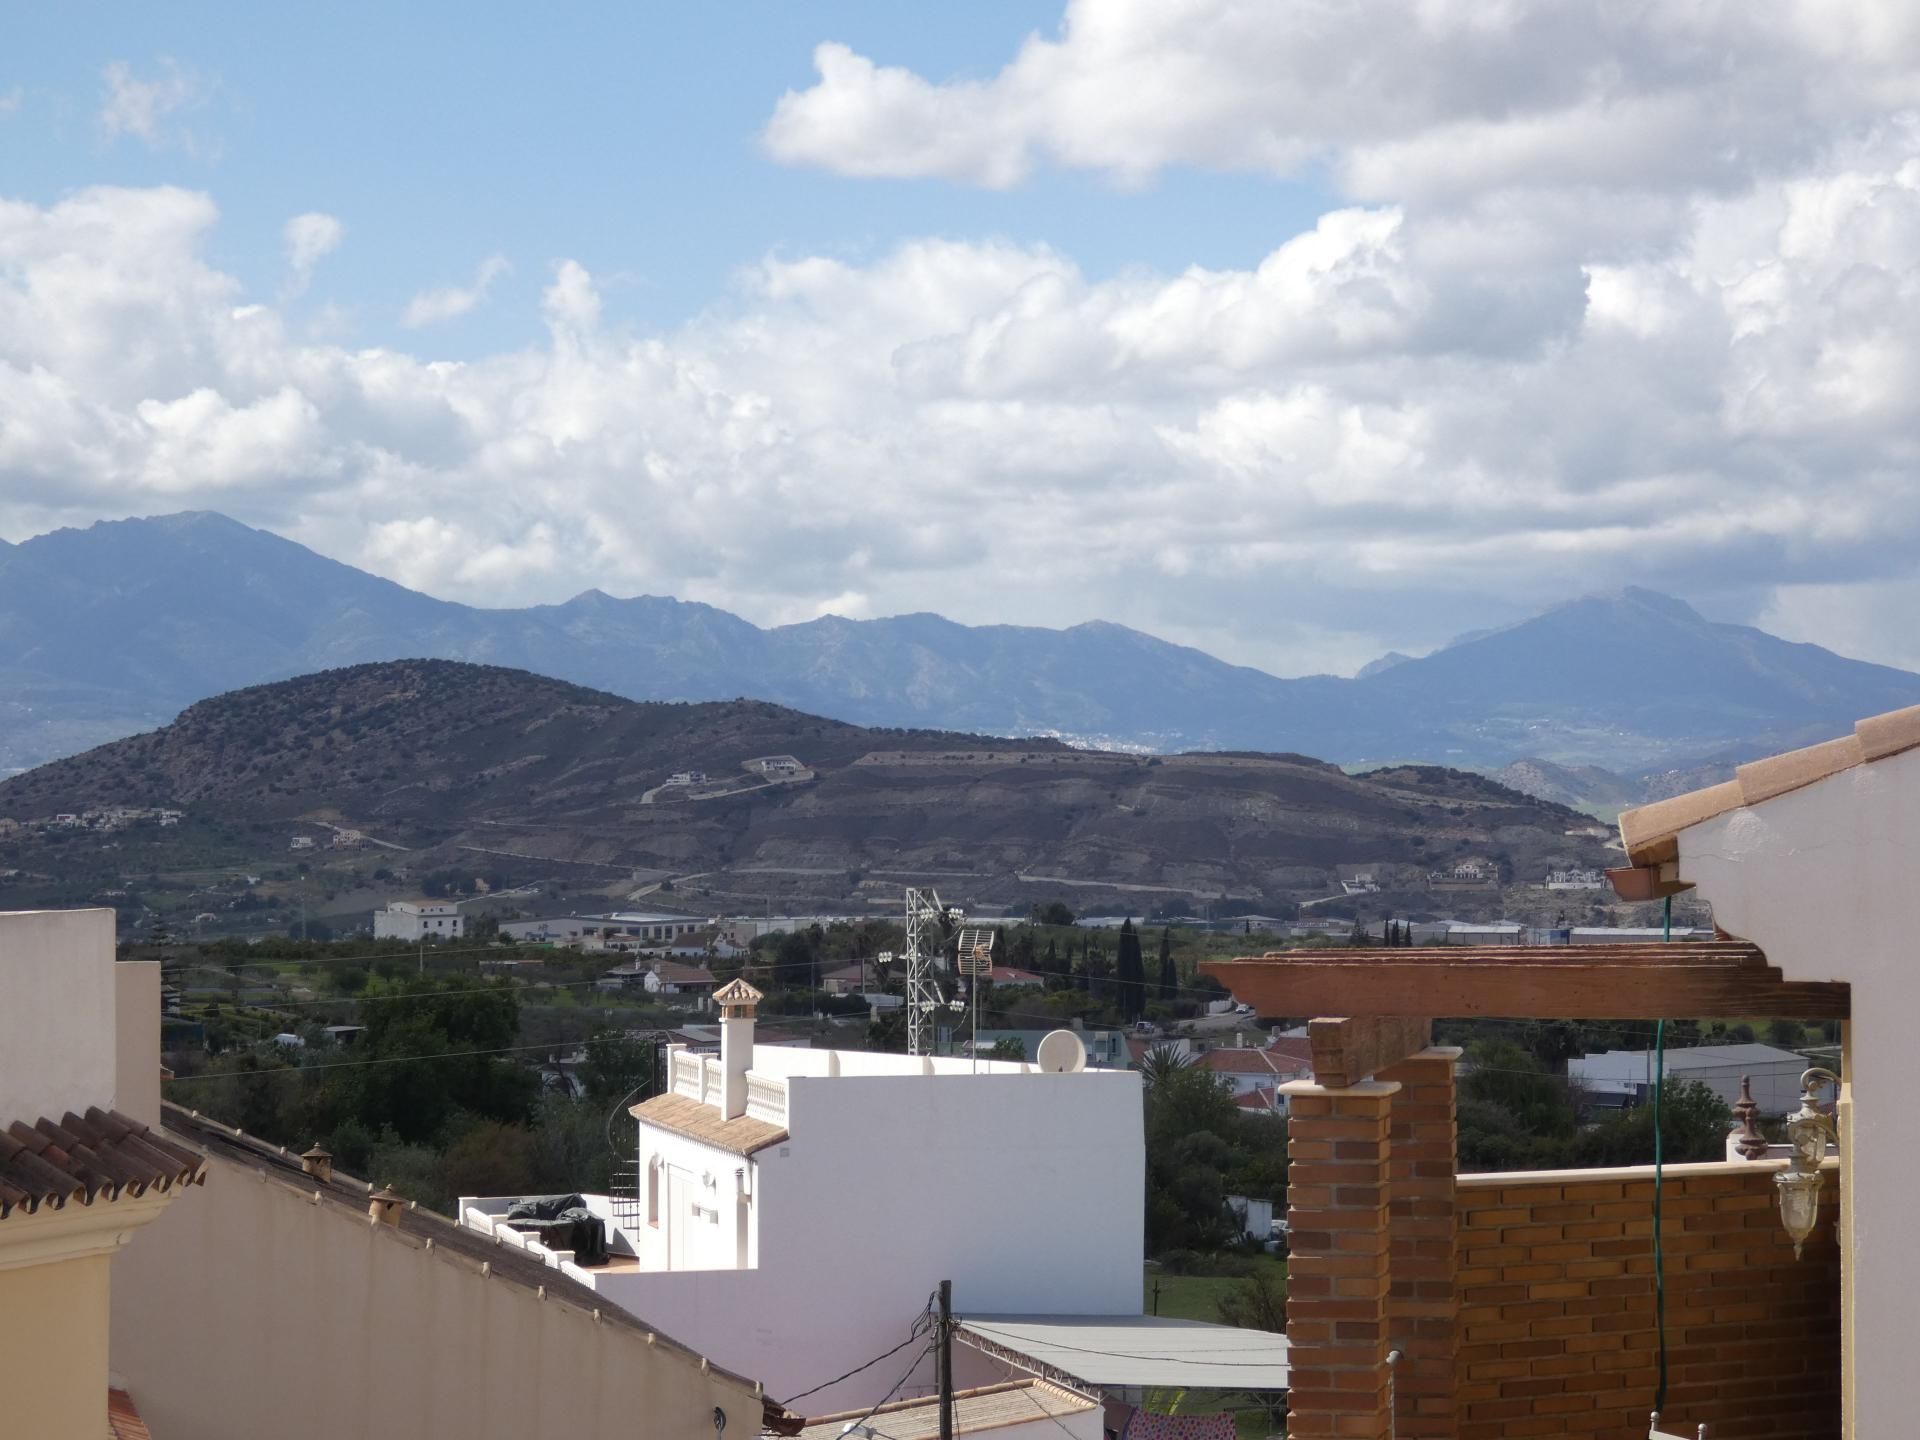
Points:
1131	971
1168	981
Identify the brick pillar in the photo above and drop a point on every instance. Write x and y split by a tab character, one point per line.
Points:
1338	1219
1423	1243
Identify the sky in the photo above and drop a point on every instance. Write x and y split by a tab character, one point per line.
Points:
1296	331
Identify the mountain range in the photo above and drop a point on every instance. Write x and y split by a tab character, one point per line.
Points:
113	629
455	770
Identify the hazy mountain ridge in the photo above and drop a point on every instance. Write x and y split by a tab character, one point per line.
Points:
114	628
452	763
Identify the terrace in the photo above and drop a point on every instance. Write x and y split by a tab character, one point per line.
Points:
1426	1303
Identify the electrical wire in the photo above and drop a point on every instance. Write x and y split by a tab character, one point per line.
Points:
918	1328
1010	1339
892	1390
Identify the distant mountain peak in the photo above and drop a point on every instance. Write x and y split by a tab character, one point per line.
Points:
1380	667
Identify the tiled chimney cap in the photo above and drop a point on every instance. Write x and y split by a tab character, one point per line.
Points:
318	1162
386	1205
738	998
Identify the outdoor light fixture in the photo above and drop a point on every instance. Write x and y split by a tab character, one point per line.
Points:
1808	1132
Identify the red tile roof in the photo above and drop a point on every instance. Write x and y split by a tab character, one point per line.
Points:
673	974
123	1421
1285	1058
1009	975
1260	1098
103	1154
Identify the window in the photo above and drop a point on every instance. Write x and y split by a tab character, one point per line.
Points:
653	1191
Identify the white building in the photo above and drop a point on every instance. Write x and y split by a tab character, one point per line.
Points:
620	930
797	1207
1624	1077
418	920
1576	880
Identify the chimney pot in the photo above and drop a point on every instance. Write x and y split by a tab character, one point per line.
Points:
386	1206
318	1163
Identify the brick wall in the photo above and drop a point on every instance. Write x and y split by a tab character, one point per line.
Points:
1556	1322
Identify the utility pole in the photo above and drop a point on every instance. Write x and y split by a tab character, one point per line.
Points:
945	1360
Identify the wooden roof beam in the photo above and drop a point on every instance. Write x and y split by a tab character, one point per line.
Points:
1510	989
1349	1050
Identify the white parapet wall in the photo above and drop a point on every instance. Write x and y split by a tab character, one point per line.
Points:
58	1030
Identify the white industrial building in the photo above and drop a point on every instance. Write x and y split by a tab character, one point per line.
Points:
419	920
1625	1077
796	1208
621	930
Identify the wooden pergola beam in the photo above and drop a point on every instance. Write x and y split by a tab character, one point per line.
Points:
1349	1050
1519	982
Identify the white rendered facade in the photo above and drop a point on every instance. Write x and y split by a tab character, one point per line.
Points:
802	1259
418	920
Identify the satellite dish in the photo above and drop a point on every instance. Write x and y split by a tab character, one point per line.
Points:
1061	1053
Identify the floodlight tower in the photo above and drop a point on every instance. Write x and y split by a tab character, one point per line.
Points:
926	947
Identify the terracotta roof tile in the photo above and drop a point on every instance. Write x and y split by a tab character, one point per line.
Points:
102	1154
1648	831
699	1121
123	1421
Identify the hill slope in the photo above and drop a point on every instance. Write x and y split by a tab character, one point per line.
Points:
440	759
112	629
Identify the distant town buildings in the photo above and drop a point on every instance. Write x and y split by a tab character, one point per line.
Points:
1576	880
621	930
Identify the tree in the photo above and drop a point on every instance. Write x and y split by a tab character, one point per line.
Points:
1161	1061
1054	912
1257	1303
615	1067
793	961
1693	1128
1169	980
1008	1047
1130	971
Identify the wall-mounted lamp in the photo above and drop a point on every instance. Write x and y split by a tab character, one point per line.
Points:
1808	1132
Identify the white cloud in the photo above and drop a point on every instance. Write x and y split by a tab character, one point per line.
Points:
309	239
1392	424
11	101
1402	98
434	307
137	107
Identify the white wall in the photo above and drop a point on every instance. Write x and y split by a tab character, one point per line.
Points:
1823	879
1025	1189
136	1003
693	1176
57	1013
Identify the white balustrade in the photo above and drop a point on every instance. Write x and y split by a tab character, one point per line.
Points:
767	1099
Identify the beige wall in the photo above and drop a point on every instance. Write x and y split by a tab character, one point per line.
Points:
53	1349
56	1012
136	1081
297	1319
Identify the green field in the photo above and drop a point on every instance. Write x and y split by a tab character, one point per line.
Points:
1195	1297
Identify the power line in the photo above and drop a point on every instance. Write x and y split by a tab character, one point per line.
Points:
892	1390
918	1329
1010	1339
354	1064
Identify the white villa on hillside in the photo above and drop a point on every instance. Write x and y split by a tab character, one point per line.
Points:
419	920
796	1208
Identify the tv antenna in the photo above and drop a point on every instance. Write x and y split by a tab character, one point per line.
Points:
973	958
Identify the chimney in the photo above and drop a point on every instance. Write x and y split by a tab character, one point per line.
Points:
386	1207
737	1004
319	1164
